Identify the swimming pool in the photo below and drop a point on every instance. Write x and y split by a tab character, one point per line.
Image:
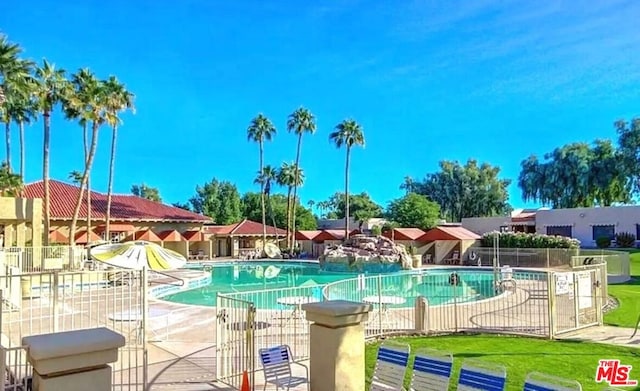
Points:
256	275
249	280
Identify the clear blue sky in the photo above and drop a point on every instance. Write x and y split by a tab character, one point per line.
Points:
491	80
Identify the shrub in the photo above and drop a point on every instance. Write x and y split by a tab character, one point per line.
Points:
625	239
524	240
603	242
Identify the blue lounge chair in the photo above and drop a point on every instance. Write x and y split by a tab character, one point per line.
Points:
391	365
537	381
431	371
481	376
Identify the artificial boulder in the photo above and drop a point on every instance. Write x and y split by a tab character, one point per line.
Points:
366	254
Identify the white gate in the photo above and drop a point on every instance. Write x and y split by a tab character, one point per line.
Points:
235	342
577	302
48	302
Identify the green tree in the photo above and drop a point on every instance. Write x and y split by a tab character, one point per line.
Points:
218	200
146	192
408	185
629	150
49	89
361	207
469	190
414	211
182	205
251	210
11	185
118	99
10	66
260	130
348	133
577	175
286	178
300	122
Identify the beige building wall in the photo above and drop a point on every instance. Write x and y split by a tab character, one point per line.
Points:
22	220
482	225
582	220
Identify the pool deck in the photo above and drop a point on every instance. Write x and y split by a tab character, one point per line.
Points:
181	338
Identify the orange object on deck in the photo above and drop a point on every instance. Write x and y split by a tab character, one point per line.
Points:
245	382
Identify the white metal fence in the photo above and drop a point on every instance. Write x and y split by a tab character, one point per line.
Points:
520	301
40	259
48	302
235	342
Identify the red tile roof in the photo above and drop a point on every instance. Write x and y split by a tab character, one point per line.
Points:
333	234
124	207
404	233
307	235
524	216
243	228
448	233
171	236
249	228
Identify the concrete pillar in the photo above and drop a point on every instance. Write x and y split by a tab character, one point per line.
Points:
337	344
21	233
73	360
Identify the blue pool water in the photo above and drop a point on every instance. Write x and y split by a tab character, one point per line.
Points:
252	277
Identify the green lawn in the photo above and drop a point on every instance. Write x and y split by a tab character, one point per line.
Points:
628	294
572	360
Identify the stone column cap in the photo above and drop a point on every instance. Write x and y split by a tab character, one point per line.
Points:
72	343
337	313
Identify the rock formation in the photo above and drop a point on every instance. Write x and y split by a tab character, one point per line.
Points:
366	254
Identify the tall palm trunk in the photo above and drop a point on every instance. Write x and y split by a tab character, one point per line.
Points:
7	131
83	183
289	218
112	165
295	192
86	157
21	133
264	209
346	195
273	219
45	175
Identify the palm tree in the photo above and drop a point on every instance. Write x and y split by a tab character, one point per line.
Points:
23	113
297	181
311	204
15	87
260	130
90	102
300	122
265	178
286	178
118	99
76	110
11	185
348	133
50	88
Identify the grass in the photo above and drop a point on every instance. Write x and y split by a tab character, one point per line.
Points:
627	294
568	359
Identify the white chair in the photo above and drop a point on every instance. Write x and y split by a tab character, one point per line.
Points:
391	365
482	376
431	370
276	363
537	381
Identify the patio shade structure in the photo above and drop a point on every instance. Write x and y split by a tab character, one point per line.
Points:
146	235
82	237
171	236
58	237
138	254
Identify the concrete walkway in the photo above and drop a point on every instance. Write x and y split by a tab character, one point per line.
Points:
611	335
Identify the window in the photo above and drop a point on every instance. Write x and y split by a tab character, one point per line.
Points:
504	228
560	231
606	231
115	237
637	231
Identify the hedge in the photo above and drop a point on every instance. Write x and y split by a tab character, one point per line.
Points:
524	240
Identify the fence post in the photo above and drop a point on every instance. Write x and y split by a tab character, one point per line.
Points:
145	314
56	299
379	283
548	261
551	294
